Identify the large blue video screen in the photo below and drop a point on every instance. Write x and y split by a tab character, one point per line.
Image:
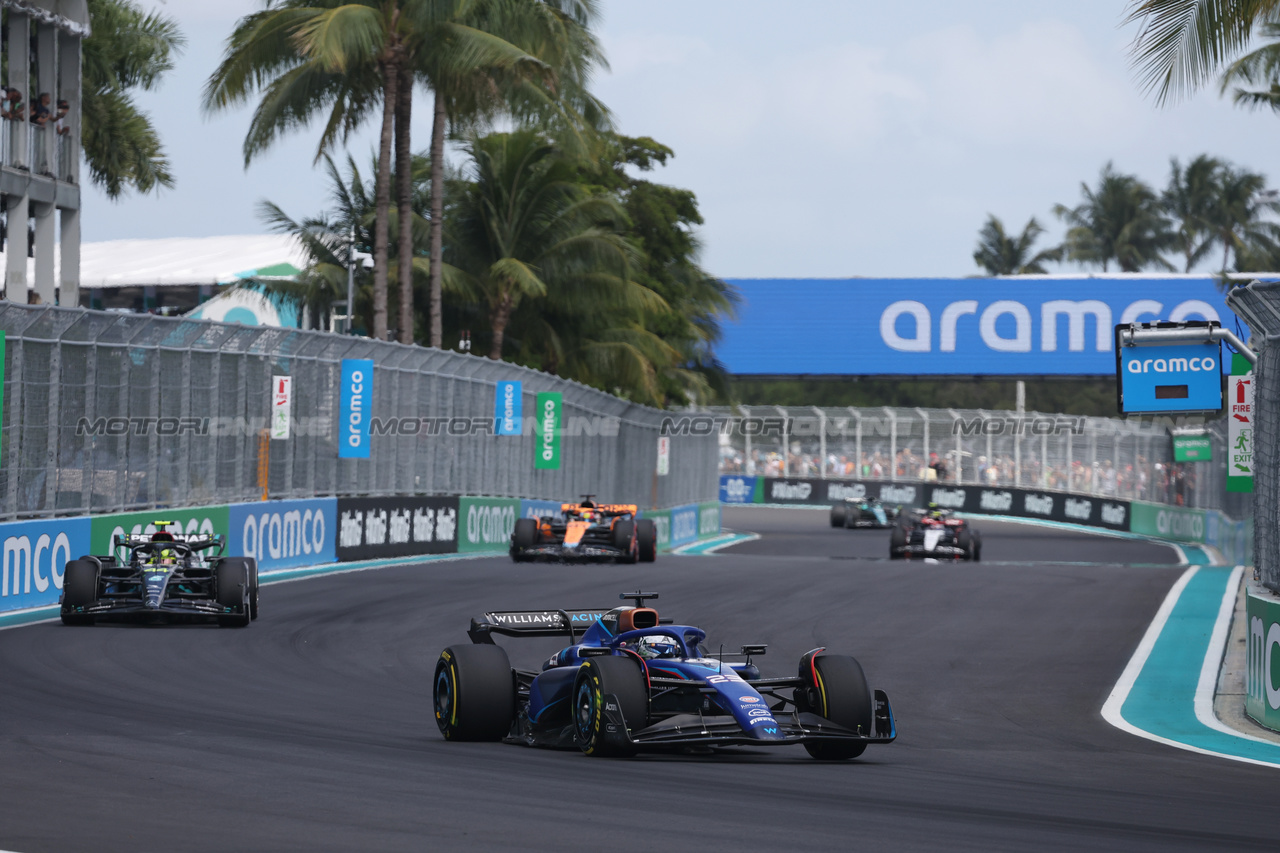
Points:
941	327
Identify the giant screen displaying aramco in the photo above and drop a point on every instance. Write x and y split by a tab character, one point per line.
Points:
1034	326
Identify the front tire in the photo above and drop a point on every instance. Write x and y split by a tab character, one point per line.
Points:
837	515
852	517
474	694
840	694
233	588
599	677
524	535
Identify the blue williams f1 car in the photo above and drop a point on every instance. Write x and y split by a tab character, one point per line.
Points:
632	682
166	576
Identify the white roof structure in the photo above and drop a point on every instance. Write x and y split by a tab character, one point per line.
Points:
188	261
183	261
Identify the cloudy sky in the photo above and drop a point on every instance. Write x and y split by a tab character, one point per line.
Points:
825	138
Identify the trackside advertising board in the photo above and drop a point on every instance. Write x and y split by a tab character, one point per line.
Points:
486	523
967	326
35	553
708	519
507	407
546	432
662	522
741	490
355	402
684	524
1170	378
1262	678
284	534
372	528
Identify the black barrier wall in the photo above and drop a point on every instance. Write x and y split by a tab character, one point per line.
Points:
371	528
983	500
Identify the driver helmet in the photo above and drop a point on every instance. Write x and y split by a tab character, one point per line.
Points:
935	511
165	557
657	647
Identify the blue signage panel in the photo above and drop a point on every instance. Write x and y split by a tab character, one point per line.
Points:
356	400
35	555
282	534
1170	378
966	326
506	408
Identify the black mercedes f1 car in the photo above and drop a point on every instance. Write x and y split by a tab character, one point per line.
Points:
629	682
166	577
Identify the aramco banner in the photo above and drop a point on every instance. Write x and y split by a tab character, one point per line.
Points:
1037	326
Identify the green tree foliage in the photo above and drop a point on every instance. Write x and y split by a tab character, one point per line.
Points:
1237	217
1119	221
128	50
1182	43
1000	254
310	57
1189	200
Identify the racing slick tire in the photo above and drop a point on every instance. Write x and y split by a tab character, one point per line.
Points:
897	541
964	539
976	553
837	515
852	516
840	694
611	675
523	535
251	569
624	539
474	696
233	588
647	540
79	587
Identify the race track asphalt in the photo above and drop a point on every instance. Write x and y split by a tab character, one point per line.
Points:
312	729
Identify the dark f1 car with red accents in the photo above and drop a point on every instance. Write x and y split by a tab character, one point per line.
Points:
934	533
630	682
586	532
863	512
165	577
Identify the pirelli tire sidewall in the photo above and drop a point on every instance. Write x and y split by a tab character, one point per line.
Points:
600	679
474	693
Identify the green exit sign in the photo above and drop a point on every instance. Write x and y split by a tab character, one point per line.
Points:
1192	448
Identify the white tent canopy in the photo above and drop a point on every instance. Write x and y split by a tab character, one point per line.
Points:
182	260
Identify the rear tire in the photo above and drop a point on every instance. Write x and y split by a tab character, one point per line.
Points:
474	694
897	540
841	696
619	676
837	515
80	582
647	539
624	539
977	547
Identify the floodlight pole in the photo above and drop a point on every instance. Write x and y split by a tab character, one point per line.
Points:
1133	335
351	278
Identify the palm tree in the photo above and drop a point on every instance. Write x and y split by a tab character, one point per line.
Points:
1000	254
544	83
1189	201
325	238
1256	75
525	228
1237	218
311	56
1182	43
128	49
1120	221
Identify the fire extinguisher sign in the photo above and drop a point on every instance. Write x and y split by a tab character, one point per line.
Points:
281	405
1240	434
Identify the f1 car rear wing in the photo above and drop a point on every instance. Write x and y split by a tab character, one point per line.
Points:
194	541
533	623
